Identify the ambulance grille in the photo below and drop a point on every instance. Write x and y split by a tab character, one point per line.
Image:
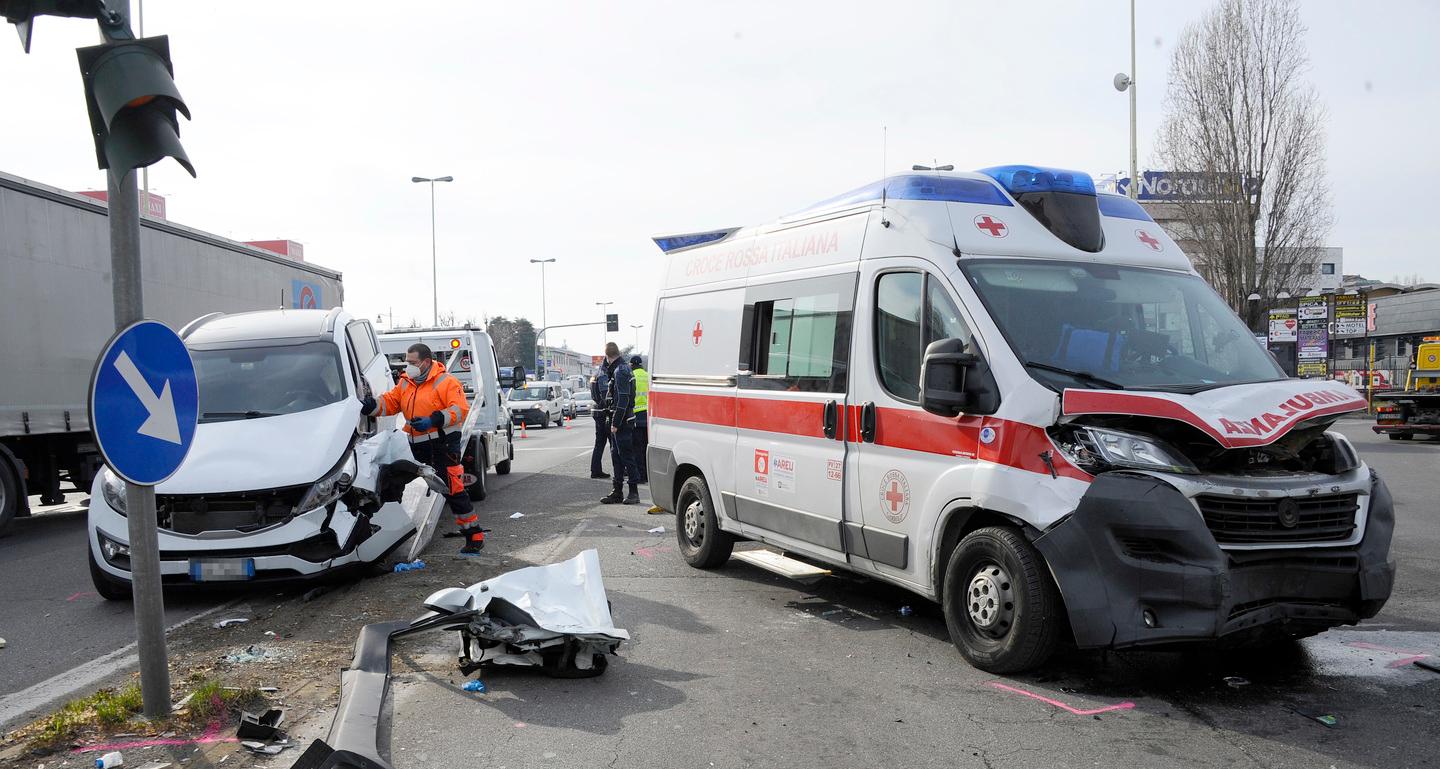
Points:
1237	520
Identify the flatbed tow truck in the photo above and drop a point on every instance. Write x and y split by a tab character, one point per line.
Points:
1404	414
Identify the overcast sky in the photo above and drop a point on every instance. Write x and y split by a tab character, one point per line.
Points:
577	130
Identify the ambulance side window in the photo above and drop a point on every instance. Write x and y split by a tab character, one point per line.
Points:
796	335
912	309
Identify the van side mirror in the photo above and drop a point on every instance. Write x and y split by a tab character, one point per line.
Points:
517	377
954	381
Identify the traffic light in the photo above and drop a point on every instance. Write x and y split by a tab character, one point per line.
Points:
130	91
22	13
612	322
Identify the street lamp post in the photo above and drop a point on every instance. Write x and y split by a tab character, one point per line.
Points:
434	278
637	327
1124	82
544	321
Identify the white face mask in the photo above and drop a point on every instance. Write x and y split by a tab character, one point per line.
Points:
412	371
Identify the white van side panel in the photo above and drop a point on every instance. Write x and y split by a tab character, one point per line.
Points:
698	335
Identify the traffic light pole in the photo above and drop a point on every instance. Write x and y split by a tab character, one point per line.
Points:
145	587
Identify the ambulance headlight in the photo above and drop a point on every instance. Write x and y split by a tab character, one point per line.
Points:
113	489
329	488
1098	448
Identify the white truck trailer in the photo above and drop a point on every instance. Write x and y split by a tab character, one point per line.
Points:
56	312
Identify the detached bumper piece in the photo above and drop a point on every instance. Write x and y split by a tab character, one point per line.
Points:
1137	566
566	630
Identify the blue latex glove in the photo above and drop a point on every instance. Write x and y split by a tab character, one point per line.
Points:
421	424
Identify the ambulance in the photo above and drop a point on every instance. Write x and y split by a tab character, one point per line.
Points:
1014	396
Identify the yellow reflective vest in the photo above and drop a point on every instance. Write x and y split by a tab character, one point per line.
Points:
642	390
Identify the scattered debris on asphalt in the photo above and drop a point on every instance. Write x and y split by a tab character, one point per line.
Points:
110	760
656	510
2	643
1235	682
657	530
906	611
1428	664
261	734
1324	718
475	685
315	592
250	654
232	621
264	749
414	565
517	514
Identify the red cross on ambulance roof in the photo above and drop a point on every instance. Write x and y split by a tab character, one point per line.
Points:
1148	239
991	225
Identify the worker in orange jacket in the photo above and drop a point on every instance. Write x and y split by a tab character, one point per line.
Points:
434	406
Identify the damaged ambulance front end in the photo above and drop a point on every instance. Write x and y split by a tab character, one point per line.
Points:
1232	514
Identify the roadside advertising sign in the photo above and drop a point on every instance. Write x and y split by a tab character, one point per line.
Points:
1314	332
1282	325
1349	315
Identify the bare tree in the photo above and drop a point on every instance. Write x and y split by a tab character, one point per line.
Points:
1241	117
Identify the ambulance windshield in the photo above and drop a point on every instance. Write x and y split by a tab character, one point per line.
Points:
1105	326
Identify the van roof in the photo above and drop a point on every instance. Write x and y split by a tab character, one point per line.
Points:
970	213
263	325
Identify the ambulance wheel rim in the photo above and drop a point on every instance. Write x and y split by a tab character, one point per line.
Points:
990	600
694	522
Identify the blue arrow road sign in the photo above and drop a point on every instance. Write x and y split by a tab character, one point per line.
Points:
144	402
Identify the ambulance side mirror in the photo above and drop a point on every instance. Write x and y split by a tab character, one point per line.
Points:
954	381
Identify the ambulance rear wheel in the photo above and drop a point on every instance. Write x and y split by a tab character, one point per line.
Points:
1001	607
702	543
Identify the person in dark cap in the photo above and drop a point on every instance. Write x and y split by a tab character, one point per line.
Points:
640	433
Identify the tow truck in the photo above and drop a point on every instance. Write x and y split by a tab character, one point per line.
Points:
1404	414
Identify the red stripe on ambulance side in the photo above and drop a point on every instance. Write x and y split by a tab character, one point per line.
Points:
1016	444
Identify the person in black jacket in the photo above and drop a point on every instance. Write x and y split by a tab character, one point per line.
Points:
599	391
620	405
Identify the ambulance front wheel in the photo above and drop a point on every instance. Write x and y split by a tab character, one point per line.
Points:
702	543
1001	607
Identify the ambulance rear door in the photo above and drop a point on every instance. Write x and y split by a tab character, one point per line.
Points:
791	398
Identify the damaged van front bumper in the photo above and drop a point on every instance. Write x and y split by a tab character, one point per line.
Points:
1137	565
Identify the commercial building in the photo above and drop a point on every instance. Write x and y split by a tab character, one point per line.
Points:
562	362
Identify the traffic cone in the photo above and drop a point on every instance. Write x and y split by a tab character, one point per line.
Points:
567	423
522	429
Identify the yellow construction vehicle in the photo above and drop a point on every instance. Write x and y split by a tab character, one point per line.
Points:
1403	414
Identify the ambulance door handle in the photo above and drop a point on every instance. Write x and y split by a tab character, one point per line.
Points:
867	422
831	419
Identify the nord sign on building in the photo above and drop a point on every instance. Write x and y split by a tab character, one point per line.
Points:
1175	186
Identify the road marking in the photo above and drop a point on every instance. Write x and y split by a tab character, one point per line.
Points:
50	691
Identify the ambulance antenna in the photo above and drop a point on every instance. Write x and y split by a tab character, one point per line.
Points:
884	168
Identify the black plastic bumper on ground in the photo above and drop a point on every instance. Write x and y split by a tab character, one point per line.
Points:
1134	544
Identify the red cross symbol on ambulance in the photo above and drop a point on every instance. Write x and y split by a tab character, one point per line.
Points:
697	333
1148	239
991	225
895	497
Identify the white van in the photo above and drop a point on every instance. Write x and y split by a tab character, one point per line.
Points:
538	403
1014	396
271	489
468	355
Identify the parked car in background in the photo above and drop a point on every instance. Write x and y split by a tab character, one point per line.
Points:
584	404
537	403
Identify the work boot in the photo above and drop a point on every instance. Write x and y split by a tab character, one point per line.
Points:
633	498
602	474
474	541
614	498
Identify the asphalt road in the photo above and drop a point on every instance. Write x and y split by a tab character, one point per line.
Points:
737	667
53	621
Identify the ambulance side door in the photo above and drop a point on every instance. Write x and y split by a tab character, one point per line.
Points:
900	453
791	388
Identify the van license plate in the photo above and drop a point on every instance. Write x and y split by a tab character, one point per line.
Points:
222	570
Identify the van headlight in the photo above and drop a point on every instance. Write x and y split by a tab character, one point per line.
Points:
329	488
113	489
1099	448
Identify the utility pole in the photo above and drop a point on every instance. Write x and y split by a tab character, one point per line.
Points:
544	320
637	327
434	270
1134	170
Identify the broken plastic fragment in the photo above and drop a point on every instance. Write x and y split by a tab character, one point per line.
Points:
229	622
414	565
517	515
906	611
1235	682
658	530
475	685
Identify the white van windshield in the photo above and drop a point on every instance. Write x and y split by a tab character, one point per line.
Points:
1093	325
531	394
256	382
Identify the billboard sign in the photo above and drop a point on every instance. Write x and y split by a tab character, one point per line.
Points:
1283	326
1314	331
1174	186
1349	315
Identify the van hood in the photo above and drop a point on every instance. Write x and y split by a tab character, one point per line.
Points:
1236	416
266	453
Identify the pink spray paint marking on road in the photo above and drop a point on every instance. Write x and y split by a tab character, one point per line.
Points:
78	596
211	735
1400	663
1076	711
652	551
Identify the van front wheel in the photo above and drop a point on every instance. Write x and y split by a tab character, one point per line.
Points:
1001	607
